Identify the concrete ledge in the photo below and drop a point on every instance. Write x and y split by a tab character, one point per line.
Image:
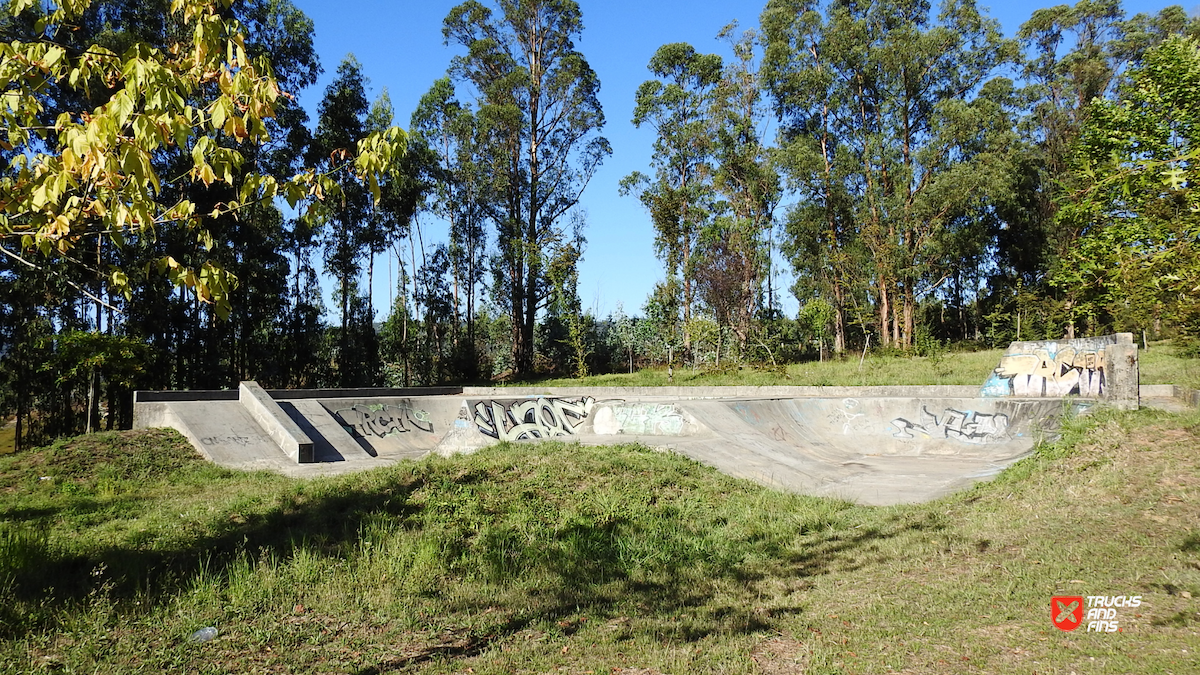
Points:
185	395
1189	397
704	392
286	434
1162	391
362	392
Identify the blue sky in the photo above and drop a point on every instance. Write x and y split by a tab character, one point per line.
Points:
399	43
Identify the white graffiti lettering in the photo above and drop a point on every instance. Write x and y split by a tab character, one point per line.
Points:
968	426
531	418
850	421
649	419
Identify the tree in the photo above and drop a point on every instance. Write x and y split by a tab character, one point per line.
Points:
624	331
1077	53
538	100
680	197
341	122
87	175
148	144
450	130
747	179
895	125
1137	261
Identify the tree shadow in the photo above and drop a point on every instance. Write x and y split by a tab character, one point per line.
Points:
586	565
331	523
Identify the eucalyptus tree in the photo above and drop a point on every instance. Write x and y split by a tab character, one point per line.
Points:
821	240
906	124
453	133
680	197
747	180
341	122
538	99
1076	54
1137	265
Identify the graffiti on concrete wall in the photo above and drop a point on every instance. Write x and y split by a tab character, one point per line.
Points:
531	418
381	420
225	440
968	426
1050	369
848	416
649	419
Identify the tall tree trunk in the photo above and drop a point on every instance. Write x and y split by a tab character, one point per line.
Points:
909	315
885	311
371	289
839	319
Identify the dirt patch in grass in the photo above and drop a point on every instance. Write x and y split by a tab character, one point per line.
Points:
780	655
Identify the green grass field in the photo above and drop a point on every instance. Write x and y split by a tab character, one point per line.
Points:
547	558
948	368
1161	364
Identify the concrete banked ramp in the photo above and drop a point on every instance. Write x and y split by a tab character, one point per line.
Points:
874	445
910	446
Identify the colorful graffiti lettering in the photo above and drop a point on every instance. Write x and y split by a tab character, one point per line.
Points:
531	418
381	420
648	419
968	426
1049	369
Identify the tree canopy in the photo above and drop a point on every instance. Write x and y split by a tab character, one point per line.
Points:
78	175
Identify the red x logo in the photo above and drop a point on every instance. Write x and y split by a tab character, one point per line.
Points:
1066	611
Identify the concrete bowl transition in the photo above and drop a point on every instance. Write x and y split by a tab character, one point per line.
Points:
872	445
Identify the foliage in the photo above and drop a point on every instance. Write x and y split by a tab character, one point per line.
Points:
680	198
90	173
897	131
1136	261
538	102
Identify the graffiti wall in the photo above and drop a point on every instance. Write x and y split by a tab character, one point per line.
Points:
1051	369
967	426
523	419
648	419
364	420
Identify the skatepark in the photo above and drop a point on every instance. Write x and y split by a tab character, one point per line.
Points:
872	445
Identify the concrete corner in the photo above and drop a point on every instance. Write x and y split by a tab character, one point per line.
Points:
278	425
1121	387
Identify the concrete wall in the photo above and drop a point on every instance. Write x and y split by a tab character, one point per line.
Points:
1104	367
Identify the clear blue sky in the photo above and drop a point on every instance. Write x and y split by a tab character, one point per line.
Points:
399	43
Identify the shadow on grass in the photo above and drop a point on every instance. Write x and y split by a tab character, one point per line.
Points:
1191	544
717	584
38	573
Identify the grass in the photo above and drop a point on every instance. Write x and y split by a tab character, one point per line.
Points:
552	557
948	368
8	436
1161	364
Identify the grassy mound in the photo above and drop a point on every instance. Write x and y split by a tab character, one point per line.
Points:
561	558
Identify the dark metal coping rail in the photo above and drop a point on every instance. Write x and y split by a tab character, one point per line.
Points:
292	394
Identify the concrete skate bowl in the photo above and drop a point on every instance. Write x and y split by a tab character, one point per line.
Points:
871	450
875	445
870	445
